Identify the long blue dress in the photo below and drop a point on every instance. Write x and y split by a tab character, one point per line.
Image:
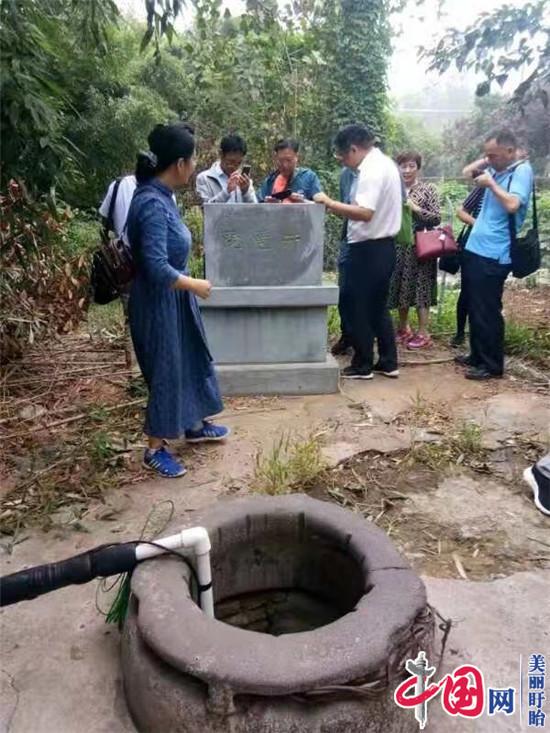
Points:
165	323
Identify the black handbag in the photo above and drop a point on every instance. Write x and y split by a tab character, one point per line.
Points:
525	251
452	263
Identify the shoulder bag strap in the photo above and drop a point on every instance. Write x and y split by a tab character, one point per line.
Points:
535	216
112	203
511	217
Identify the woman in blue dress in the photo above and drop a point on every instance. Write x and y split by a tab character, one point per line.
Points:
165	320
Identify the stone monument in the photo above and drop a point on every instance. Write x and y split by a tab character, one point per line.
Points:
266	320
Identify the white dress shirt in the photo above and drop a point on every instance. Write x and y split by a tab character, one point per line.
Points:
378	188
124	195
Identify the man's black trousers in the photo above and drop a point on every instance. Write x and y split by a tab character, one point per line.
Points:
483	281
367	271
343	297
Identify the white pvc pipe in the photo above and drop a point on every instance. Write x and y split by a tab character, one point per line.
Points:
195	541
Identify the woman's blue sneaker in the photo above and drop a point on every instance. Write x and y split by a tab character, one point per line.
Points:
163	463
209	433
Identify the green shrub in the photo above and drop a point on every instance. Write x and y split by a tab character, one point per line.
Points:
543	202
454	190
333	321
83	234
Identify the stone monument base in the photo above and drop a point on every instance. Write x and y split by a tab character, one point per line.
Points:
271	340
290	379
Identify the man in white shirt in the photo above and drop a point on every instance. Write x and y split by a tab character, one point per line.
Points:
374	219
125	188
225	182
115	221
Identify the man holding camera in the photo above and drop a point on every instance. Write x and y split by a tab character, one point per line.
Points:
227	181
508	183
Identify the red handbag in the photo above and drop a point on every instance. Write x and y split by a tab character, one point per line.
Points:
433	243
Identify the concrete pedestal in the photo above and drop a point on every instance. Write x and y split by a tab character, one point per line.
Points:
289	379
266	320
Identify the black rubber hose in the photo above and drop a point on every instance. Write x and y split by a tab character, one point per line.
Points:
100	562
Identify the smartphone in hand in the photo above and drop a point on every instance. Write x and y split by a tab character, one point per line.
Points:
280	195
245	170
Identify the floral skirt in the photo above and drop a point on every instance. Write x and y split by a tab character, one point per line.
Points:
413	283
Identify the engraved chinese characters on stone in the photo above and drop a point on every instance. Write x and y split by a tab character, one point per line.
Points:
263	245
231	239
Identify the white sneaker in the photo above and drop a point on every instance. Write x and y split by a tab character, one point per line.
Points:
392	375
539	496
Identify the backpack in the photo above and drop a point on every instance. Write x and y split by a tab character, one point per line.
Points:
525	251
112	264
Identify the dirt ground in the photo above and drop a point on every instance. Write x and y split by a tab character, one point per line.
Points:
432	458
530	306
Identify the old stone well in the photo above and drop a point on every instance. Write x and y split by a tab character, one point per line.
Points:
316	614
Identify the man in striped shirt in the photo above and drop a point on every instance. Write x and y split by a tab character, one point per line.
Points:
467	213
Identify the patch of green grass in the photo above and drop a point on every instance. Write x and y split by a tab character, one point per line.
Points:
443	316
436	456
468	438
520	339
137	387
106	319
528	343
195	266
532	344
100	450
422	409
333	321
83	235
461	445
290	463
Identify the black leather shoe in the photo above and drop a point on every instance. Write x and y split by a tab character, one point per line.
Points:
391	373
457	340
464	360
342	346
352	372
479	374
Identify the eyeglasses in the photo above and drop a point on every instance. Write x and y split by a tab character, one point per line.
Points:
408	167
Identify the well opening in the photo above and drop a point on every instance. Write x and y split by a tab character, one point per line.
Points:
280	565
285	581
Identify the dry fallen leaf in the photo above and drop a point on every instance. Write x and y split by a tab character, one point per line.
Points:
459	566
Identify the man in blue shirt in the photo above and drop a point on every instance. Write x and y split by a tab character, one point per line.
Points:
508	184
301	183
344	343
